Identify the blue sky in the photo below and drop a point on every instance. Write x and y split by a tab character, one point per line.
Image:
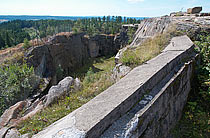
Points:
135	8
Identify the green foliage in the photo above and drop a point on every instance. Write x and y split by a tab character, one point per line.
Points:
195	120
26	44
204	46
14	84
131	58
14	32
89	77
59	72
131	31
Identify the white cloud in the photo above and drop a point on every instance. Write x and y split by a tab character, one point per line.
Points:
134	1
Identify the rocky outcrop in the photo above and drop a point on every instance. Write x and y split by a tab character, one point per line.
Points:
194	10
150	27
147	102
153	26
66	52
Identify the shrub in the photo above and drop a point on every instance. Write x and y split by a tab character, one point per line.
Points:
15	84
26	44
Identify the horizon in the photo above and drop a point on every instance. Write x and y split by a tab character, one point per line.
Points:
73	16
128	8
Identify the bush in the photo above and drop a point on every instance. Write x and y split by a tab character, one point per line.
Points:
15	84
195	120
26	44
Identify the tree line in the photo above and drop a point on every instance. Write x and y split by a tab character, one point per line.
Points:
14	32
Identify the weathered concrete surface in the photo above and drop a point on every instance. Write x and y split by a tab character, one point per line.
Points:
161	107
93	118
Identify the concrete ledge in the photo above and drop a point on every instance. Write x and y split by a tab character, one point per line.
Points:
93	118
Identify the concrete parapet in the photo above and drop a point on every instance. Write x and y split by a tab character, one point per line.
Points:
147	102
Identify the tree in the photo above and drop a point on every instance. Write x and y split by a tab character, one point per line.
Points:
2	43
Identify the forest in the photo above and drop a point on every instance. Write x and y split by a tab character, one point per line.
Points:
14	32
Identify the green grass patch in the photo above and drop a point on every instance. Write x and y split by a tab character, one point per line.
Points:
148	49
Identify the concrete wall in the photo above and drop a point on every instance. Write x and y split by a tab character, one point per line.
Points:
145	103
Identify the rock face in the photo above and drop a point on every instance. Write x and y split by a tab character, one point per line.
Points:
67	52
194	10
149	28
192	25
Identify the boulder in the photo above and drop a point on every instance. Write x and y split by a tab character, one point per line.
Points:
194	10
11	132
3	131
30	111
59	90
120	71
11	114
77	84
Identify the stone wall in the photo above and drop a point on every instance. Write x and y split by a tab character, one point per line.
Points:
145	103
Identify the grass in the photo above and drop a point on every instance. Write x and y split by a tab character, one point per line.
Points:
148	49
95	77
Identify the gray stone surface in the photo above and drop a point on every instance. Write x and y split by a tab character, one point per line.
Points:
120	71
59	90
192	25
149	28
94	117
12	133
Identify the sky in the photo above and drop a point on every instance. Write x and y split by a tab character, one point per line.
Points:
129	8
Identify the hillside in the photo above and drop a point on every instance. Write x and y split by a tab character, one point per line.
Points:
94	62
